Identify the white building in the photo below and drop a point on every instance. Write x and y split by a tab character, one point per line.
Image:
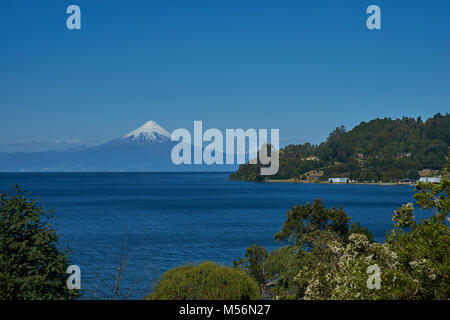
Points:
338	180
430	179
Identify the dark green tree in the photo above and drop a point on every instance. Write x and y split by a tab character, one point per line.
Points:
255	264
310	224
32	265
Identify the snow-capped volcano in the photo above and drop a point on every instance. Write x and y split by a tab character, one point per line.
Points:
147	148
149	132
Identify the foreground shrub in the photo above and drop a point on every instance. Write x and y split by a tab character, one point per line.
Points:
205	281
32	266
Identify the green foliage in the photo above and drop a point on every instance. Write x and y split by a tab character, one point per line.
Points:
282	266
357	228
254	263
382	149
247	172
414	261
342	273
423	247
435	196
309	224
205	281
308	229
31	264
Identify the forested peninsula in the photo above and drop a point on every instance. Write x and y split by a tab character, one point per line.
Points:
381	150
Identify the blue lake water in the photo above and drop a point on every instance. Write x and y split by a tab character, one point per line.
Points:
163	220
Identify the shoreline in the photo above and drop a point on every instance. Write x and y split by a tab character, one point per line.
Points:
292	180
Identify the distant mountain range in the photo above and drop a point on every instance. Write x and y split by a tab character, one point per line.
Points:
39	146
147	148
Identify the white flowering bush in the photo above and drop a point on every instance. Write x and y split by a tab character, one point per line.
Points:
328	259
414	262
344	276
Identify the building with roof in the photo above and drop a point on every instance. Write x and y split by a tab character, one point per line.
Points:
430	179
338	180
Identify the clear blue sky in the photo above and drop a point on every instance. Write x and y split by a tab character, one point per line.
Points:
304	67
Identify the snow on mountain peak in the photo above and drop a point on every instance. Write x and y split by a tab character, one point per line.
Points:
149	131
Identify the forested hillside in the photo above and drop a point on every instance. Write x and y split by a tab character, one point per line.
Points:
382	149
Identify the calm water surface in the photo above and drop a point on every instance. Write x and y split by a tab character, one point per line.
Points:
167	219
